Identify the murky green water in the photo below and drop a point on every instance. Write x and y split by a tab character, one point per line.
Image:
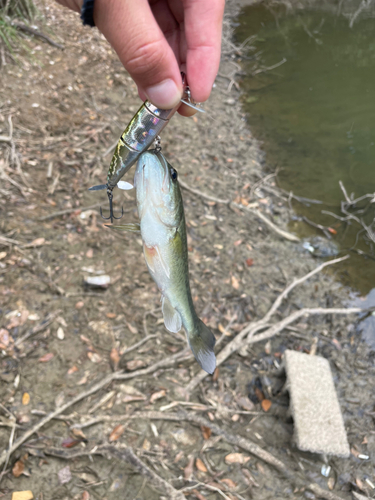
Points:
315	114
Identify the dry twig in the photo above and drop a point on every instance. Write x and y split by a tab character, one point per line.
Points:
254	327
38	34
68	211
257	213
125	454
170	361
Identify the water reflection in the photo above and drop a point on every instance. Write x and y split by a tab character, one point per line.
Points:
366	326
315	114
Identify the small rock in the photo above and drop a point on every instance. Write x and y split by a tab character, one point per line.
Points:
98	281
60	333
64	475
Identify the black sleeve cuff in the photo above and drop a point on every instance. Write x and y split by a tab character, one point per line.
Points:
87	13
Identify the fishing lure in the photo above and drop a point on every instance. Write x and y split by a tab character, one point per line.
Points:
143	129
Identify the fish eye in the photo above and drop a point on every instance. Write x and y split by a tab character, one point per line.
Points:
173	174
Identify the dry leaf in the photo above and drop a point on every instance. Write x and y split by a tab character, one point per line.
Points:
111	315
178	457
331	483
38	242
84	379
3	255
117	432
70	442
215	376
79	434
235	283
26	398
245	403
19	319
196	492
146	445
72	370
266	404
47	357
114	358
200	465
18	468
231	484
206	431
157	395
359	483
188	471
94	357
134	364
236	458
85	339
132	328
331	230
22	495
5	338
259	394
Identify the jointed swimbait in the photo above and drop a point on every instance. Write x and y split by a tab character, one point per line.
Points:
163	231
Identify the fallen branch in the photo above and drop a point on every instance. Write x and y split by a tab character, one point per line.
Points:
250	330
285	234
321	493
68	211
8	241
125	454
8	138
184	354
38	34
240	441
38	328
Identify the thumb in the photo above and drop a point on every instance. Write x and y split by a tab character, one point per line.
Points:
133	32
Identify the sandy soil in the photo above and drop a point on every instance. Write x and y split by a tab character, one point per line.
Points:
68	107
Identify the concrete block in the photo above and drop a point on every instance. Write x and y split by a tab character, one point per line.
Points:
318	422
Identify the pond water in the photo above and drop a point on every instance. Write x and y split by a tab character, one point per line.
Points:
315	114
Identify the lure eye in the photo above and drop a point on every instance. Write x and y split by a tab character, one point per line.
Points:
174	174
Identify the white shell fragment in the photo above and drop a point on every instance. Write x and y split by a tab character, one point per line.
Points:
126	186
98	281
60	333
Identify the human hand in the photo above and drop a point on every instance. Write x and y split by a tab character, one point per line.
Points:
157	39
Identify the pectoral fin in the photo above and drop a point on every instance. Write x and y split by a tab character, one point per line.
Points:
202	342
131	227
172	318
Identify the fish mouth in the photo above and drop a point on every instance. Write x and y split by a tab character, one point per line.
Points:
151	178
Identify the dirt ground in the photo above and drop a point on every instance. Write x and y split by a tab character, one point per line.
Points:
60	337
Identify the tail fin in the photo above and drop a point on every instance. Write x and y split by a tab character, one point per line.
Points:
202	342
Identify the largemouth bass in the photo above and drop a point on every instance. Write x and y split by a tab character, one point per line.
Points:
163	231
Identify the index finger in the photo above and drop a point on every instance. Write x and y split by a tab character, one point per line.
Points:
203	22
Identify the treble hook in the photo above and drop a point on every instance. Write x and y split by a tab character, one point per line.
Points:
111	215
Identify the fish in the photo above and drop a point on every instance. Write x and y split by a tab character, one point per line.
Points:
163	231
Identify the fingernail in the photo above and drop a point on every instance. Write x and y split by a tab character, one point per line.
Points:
164	95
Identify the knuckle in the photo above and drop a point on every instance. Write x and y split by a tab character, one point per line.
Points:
144	58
